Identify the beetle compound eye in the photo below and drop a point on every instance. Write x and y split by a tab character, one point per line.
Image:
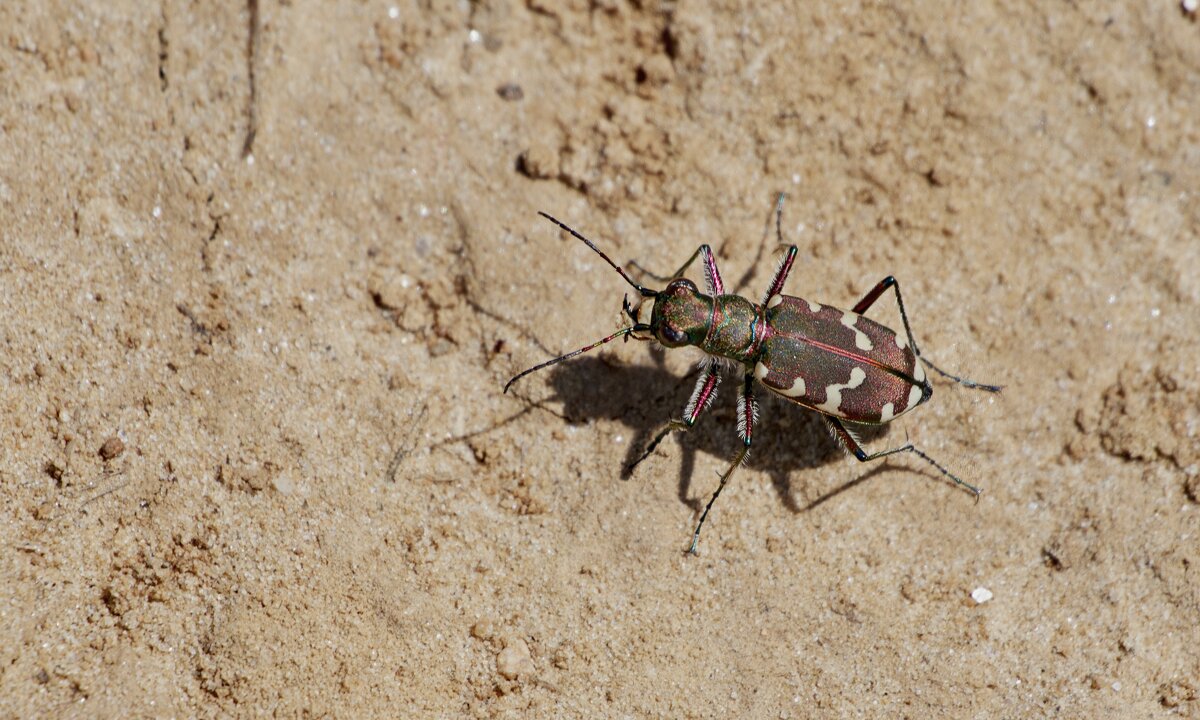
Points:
681	286
670	336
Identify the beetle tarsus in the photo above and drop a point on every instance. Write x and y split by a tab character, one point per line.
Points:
673	424
737	461
851	444
965	382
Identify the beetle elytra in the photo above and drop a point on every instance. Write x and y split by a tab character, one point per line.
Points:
841	364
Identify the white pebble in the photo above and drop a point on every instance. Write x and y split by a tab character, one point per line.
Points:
981	595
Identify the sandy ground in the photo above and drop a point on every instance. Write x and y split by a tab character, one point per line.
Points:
256	458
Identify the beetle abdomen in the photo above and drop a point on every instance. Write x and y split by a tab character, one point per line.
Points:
838	362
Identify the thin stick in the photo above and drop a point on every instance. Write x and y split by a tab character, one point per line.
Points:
252	102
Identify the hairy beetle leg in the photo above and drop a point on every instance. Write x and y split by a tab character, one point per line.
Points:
702	397
747	414
672	424
712	275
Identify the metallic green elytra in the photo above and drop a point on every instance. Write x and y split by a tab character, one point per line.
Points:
837	362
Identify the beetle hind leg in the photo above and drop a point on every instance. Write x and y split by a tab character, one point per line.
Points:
890	282
851	443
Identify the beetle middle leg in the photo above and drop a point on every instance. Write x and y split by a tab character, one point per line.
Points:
891	282
785	265
747	416
851	444
702	397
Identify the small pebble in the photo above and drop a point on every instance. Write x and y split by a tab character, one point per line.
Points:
283	484
514	660
483	630
981	595
53	470
112	447
540	161
511	92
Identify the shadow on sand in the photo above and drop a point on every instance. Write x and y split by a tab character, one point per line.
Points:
787	438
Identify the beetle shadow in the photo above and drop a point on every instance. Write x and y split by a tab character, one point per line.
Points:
787	437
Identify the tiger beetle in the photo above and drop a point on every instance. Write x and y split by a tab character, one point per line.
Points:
848	368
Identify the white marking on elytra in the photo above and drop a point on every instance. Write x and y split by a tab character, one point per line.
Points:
919	371
914	396
887	413
813	306
901	340
833	393
774	300
760	371
796	390
861	341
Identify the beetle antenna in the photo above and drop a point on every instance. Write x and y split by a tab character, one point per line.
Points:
623	332
645	291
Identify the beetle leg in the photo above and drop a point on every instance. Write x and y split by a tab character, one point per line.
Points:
712	275
847	439
785	265
781	273
891	282
747	416
702	397
667	278
870	298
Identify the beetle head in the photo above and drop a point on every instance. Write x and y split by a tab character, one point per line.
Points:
680	315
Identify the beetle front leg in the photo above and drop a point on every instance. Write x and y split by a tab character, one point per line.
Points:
711	274
702	397
747	416
891	282
851	444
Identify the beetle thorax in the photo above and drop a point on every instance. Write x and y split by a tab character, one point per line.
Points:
737	329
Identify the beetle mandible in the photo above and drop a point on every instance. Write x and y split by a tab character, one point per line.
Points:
843	365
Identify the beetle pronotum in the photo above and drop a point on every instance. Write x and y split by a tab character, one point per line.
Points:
839	363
